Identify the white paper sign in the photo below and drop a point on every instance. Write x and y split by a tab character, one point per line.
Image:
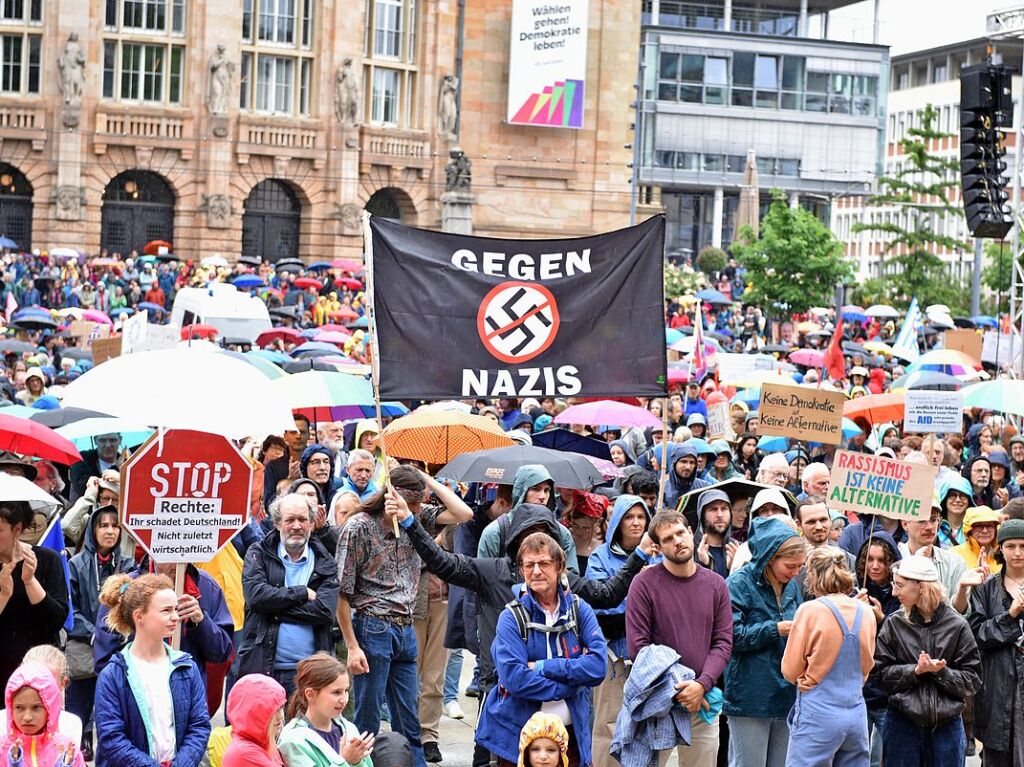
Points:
937	412
740	367
719	422
995	348
138	335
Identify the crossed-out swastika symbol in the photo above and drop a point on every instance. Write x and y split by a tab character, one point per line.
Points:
517	321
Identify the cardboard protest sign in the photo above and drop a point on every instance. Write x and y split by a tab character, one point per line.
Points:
873	484
88	331
719	422
815	415
104	349
964	340
938	412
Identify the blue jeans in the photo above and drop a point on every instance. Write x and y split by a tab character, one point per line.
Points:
453	675
391	654
904	742
876	720
757	741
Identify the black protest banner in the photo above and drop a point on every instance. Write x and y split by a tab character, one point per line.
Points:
464	317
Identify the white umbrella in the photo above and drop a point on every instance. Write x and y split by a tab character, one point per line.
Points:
878	310
64	253
215	260
183	389
14	488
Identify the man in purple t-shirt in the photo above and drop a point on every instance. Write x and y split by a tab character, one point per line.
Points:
686	607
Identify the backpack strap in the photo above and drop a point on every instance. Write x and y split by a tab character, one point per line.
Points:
525	625
521	616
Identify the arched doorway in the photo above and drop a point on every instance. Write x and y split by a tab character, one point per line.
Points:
384	204
138	206
15	206
270	221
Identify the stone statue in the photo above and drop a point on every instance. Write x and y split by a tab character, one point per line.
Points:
346	95
448	108
220	82
71	68
458	172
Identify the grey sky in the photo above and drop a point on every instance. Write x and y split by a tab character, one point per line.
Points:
911	25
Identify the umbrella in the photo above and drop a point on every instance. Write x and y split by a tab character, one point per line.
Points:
250	260
331	337
737	489
34	321
769	444
608	469
265	366
951	361
850	429
850	347
360	324
608	412
346	365
748	212
570	441
27	437
21	411
8	243
16	346
151	307
308	333
880	310
811	358
124	310
345	313
349	282
672	335
437	437
15	488
310	363
183	389
216	260
927	379
64	253
1004	395
278	358
687	344
320	389
83	433
247	281
808	327
776	349
713	297
64	416
879	347
314	348
70	311
755	378
347	265
289	263
319	266
76	353
852	316
984	321
152	247
307	283
569	470
199	331
268	337
876	408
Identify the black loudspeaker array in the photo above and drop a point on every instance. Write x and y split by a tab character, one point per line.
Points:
986	113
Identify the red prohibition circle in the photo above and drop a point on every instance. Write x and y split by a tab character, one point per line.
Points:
486	335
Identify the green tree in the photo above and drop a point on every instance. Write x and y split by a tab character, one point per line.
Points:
682	280
997	275
873	290
920	187
794	262
712	260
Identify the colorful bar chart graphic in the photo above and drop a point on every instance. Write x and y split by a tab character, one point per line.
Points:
558	106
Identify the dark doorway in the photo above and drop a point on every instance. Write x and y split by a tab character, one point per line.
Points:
138	206
270	221
15	206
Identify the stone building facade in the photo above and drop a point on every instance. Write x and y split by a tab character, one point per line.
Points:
265	127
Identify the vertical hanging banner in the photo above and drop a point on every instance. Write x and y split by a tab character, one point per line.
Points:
461	317
547	68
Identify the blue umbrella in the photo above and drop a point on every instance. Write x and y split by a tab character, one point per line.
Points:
247	281
749	397
362	322
712	296
850	429
271	356
984	321
127	310
773	444
152	307
314	346
855	317
7	242
672	335
568	441
319	266
309	333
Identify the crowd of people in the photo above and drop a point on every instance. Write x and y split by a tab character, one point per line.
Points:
705	598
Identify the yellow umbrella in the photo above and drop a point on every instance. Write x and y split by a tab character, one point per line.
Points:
879	347
437	437
808	327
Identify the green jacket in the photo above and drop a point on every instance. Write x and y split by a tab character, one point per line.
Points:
300	746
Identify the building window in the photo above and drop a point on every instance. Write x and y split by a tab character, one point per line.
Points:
19	63
390	66
152	16
276	75
20	11
143	72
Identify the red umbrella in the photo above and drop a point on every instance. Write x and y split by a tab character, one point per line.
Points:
350	282
308	282
268	337
27	437
153	247
347	265
345	313
198	331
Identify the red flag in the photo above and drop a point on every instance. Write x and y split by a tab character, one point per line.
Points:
833	362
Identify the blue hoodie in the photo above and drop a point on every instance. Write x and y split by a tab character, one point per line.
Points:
754	685
676	488
606	560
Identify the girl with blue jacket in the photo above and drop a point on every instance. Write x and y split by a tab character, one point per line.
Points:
548	650
150	699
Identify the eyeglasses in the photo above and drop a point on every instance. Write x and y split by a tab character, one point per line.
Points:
546	565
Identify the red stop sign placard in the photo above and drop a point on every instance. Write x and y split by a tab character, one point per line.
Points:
184	496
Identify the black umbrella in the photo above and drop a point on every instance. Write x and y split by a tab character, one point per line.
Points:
963	322
34	322
737	490
16	346
849	347
65	415
571	442
289	264
501	464
76	353
285	311
776	349
309	363
250	260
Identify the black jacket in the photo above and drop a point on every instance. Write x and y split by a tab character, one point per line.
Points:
493	579
998	636
269	603
928	700
89	466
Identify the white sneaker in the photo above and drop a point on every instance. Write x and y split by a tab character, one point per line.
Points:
453	710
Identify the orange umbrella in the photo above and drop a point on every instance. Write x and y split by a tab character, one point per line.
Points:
153	247
876	408
439	436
